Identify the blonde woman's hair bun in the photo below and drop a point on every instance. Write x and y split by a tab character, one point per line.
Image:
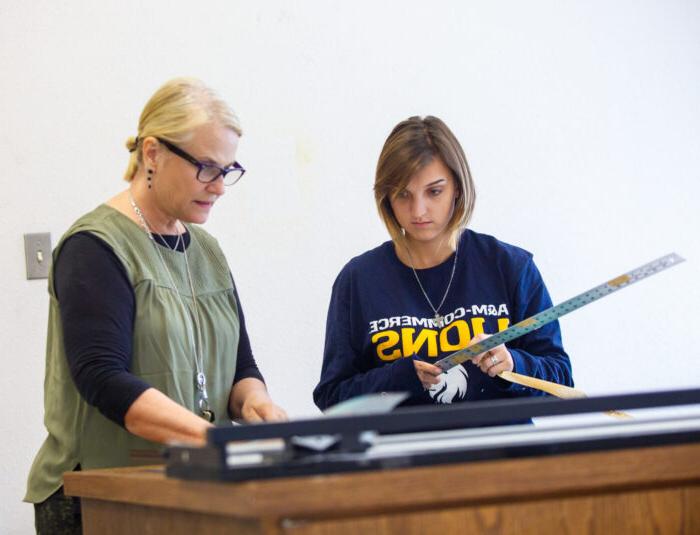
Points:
131	143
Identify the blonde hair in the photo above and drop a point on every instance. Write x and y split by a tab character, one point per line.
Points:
412	145
173	112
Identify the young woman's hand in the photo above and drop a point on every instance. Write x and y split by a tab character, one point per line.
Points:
493	361
428	374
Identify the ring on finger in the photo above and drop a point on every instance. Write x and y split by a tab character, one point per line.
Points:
494	360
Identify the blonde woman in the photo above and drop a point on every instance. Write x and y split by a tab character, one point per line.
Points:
146	338
433	288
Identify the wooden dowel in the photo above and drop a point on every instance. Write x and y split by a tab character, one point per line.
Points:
555	389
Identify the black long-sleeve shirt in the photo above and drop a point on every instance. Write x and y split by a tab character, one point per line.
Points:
97	306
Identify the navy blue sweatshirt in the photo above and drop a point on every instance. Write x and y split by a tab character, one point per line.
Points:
379	320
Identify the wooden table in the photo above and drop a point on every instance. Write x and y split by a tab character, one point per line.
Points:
643	490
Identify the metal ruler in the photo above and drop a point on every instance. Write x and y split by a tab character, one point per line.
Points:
546	316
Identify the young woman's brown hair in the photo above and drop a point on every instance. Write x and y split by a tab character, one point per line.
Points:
412	144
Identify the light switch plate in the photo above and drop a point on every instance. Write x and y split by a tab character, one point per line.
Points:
37	252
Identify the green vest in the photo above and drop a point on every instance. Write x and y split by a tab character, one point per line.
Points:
162	352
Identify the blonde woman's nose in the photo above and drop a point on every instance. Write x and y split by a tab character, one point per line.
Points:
217	186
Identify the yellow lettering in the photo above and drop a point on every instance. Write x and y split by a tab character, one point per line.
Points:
463	336
503	324
412	347
391	338
478	325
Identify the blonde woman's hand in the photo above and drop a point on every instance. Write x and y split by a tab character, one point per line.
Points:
259	407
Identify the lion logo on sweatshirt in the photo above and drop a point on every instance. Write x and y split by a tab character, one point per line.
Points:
452	386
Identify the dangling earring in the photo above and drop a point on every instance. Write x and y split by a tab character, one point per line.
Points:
149	177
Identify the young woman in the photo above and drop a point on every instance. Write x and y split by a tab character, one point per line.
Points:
436	287
146	339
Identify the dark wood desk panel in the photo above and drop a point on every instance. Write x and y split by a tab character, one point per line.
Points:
643	490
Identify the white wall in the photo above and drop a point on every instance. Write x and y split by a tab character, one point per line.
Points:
580	120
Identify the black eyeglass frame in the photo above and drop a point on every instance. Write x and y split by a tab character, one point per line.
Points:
202	165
